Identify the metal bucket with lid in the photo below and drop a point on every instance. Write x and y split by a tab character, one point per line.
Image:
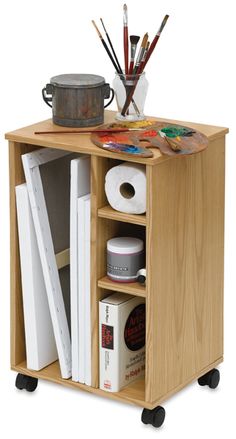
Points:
77	100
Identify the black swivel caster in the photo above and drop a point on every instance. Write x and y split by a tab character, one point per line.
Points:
26	382
210	379
155	417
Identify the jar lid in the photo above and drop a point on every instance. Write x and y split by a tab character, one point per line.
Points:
77	80
125	245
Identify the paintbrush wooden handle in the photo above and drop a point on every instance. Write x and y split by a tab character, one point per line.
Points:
110	55
126	50
140	66
105	130
131	67
155	40
150	50
129	97
111	45
126	38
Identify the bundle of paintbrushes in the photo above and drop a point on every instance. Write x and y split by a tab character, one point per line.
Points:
133	67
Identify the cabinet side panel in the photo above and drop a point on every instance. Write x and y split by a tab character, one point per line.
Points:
185	264
16	173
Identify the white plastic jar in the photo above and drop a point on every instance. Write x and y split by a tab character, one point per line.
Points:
125	256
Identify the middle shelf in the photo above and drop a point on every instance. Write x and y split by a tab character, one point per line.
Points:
130	288
108	212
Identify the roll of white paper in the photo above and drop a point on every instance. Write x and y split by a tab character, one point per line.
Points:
125	187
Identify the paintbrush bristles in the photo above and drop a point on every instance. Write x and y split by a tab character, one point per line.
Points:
163	24
125	15
144	41
134	39
98	31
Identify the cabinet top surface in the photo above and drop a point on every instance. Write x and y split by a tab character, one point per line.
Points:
83	144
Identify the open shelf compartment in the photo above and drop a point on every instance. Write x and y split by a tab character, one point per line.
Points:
134	393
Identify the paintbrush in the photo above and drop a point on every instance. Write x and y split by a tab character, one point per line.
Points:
134	39
140	69
140	53
143	64
173	145
126	39
156	38
111	46
106	47
104	130
113	62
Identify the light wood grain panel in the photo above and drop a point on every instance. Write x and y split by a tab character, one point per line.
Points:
83	144
185	238
17	321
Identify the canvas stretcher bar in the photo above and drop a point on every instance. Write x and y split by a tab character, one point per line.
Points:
31	162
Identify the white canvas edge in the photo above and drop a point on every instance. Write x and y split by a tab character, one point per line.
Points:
81	285
45	155
79	187
74	270
50	271
32	359
40	342
87	294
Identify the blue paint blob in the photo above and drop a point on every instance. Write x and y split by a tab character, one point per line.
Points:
124	147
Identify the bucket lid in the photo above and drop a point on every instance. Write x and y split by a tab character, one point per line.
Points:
77	80
125	245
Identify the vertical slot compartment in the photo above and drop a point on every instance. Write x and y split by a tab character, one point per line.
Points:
108	223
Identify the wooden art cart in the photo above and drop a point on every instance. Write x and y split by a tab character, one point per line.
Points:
184	232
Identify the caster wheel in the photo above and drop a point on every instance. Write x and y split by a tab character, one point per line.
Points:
155	417
26	382
210	379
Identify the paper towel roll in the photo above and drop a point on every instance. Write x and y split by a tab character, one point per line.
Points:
125	187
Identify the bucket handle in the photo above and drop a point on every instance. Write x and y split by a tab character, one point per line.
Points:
47	94
107	92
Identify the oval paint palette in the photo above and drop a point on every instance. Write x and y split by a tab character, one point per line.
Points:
171	139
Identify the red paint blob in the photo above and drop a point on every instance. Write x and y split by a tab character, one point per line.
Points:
105	139
113	138
150	133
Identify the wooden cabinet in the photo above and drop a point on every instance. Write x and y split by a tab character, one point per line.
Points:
184	233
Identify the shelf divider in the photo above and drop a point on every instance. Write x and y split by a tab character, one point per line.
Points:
108	212
130	288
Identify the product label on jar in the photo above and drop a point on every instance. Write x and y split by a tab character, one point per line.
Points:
124	267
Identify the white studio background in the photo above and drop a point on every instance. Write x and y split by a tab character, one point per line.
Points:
192	77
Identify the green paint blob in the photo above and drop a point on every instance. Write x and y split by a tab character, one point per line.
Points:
174	131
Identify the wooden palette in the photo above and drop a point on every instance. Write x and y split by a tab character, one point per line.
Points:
171	139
